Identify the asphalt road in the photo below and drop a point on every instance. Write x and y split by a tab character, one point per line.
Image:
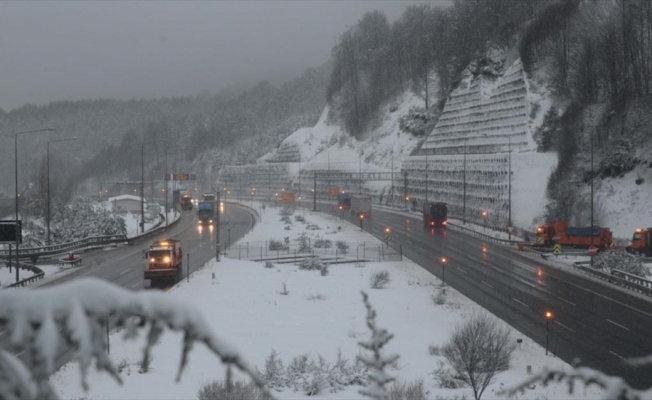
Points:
124	265
595	322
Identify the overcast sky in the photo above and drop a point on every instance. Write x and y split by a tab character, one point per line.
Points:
70	50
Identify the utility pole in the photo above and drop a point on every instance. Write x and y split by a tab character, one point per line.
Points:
591	133
314	192
405	188
392	188
426	196
142	188
509	198
360	175
464	187
217	226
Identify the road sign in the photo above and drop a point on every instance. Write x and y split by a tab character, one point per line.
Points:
8	231
180	177
510	229
556	249
593	251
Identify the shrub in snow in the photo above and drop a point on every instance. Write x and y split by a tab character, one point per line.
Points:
38	321
268	264
286	220
359	264
407	391
379	280
321	243
619	159
275	245
312	227
439	298
81	220
609	260
418	122
478	350
315	297
434	350
238	390
342	246
445	377
286	210
304	243
612	387
299	218
284	289
324	269
311	263
376	362
312	376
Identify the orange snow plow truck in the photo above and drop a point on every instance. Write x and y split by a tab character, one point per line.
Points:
641	242
573	236
164	261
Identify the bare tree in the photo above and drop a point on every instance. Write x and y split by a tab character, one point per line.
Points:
479	349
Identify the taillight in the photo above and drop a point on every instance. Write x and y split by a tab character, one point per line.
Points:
432	223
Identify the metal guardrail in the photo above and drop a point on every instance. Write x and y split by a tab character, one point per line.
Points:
620	278
485	236
38	274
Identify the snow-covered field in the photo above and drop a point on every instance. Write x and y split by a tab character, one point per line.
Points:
320	315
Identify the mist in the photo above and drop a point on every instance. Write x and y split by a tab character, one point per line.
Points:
118	49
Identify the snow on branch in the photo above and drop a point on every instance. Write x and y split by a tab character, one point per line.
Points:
376	362
614	387
39	322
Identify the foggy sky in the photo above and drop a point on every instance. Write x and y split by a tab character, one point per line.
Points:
145	49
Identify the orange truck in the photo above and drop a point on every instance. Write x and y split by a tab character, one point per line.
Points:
164	261
642	242
573	236
287	198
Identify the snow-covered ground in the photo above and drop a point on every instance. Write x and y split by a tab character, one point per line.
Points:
320	315
7	278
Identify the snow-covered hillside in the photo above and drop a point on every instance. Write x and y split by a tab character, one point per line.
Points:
486	117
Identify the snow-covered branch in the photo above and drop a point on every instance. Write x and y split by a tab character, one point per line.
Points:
614	387
40	321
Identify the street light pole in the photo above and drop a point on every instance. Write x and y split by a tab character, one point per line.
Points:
443	272
548	316
16	187
464	187
48	182
591	133
142	183
509	199
426	195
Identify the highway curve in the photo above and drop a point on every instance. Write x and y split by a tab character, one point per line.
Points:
595	322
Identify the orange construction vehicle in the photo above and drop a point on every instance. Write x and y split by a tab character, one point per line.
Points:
642	242
164	261
573	236
287	198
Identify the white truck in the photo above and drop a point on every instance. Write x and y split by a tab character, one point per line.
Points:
361	204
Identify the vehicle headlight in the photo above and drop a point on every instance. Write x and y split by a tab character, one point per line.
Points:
166	259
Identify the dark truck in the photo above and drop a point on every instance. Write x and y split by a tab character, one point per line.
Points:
206	212
164	259
435	214
186	201
344	201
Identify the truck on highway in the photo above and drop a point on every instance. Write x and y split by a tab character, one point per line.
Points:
209	197
361	205
287	198
435	214
206	212
344	201
164	261
186	201
642	242
573	236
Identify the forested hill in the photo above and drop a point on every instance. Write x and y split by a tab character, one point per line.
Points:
110	132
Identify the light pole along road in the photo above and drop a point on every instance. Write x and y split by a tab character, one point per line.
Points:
49	195
600	324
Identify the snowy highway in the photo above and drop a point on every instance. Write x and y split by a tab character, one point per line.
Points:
599	324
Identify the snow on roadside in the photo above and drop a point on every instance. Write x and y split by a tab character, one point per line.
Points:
318	316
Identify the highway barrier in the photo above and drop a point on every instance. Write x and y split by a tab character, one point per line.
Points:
618	277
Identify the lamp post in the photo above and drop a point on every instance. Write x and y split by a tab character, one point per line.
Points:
16	187
548	316
142	183
509	198
361	216
48	182
591	262
484	217
340	213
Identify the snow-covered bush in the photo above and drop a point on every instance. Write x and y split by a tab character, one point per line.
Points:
311	264
299	218
549	130
376	362
304	243
286	211
275	245
617	259
379	280
238	390
619	159
407	391
324	269
321	243
312	227
445	377
439	298
81	219
286	220
417	122
268	264
39	321
342	246
152	213
312	376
